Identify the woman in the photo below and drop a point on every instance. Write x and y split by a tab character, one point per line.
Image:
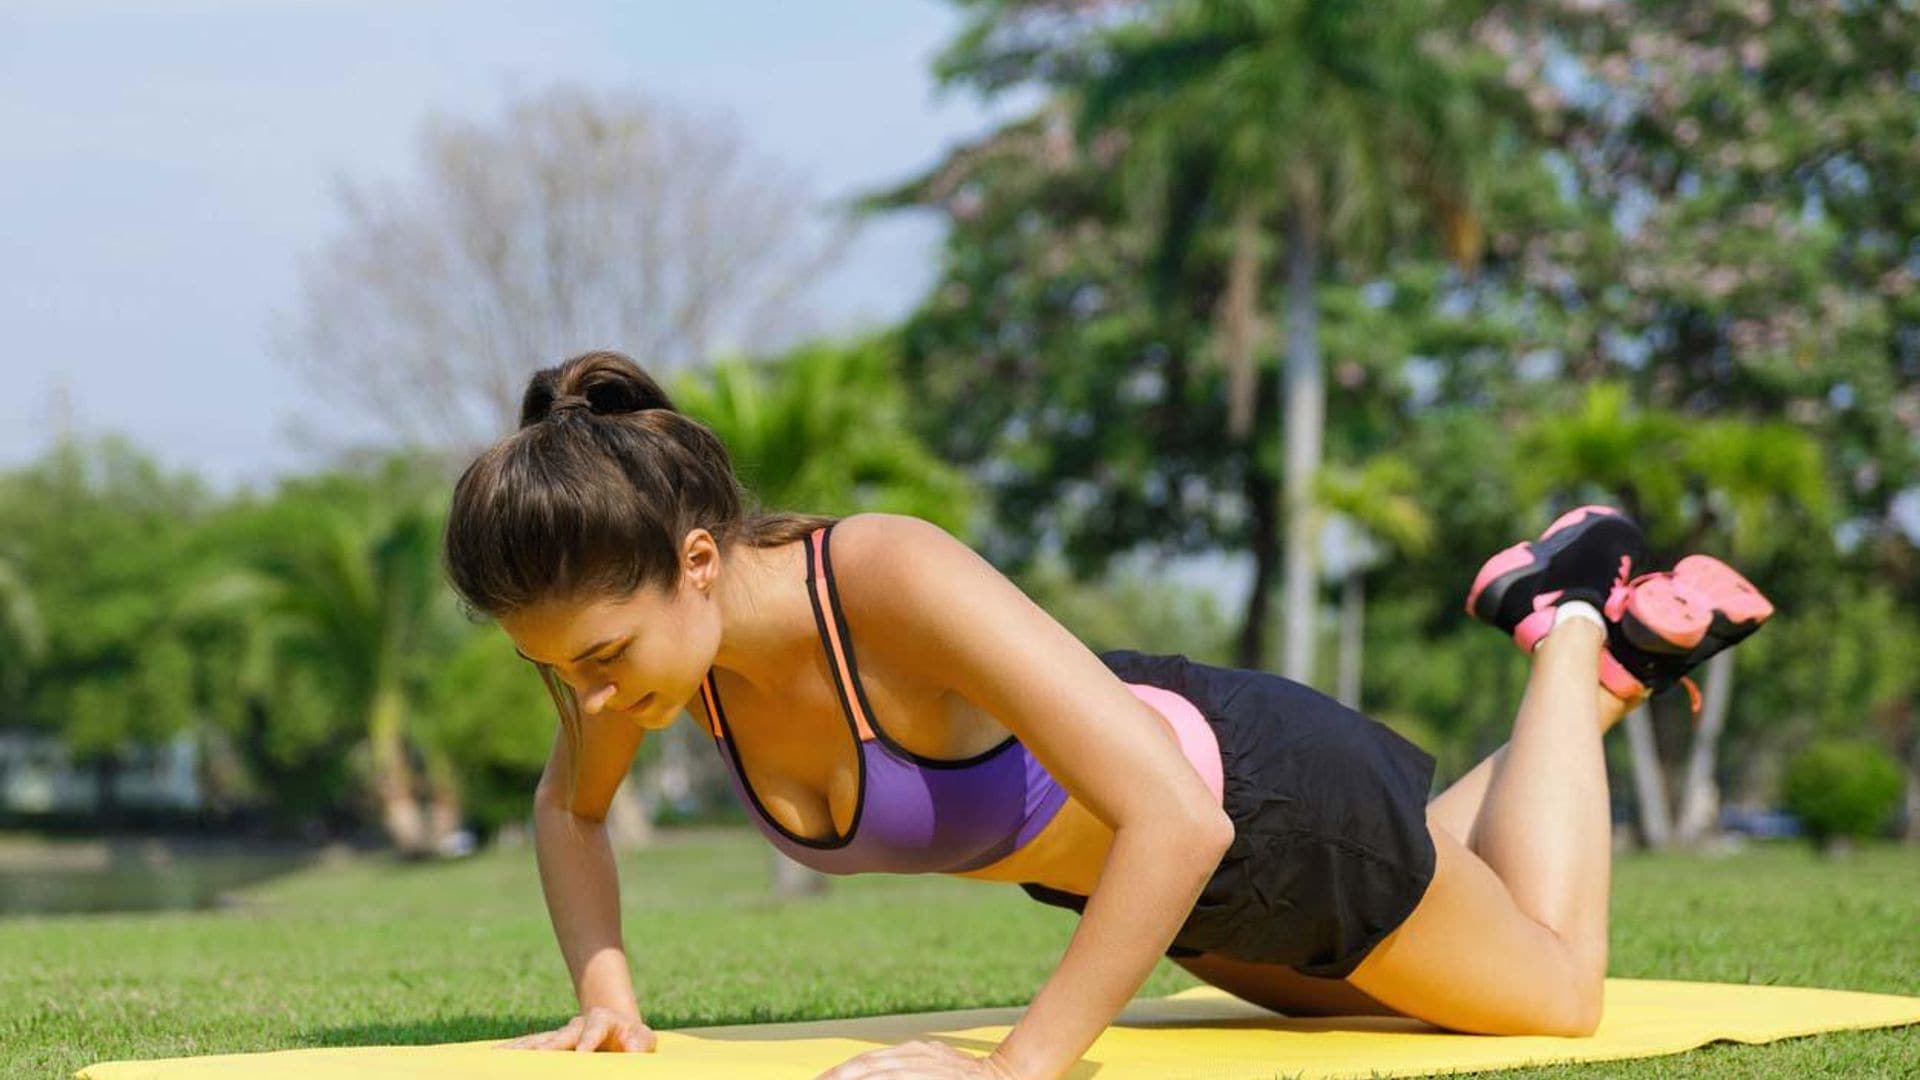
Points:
1271	841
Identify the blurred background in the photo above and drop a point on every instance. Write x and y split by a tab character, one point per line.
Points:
1238	329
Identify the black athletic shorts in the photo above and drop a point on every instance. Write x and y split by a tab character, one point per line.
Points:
1330	850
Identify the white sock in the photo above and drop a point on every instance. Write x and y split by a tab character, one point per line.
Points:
1578	609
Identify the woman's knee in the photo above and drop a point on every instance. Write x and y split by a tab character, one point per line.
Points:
1589	1002
1468	959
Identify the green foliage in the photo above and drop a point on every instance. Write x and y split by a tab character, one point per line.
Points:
316	602
1379	497
1843	788
101	534
23	637
824	428
487	710
1132	609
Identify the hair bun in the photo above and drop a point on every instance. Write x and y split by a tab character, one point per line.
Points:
596	383
566	403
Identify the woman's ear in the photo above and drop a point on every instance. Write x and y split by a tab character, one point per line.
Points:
700	560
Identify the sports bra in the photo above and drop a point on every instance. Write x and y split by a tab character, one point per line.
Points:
916	814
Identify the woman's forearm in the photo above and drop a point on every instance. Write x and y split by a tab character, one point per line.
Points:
1153	874
583	899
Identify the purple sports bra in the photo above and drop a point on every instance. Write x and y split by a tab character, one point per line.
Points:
917	814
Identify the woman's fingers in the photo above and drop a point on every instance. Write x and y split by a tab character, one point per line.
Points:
633	1038
591	1035
562	1038
595	1030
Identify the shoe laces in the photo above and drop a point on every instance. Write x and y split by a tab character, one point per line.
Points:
1693	695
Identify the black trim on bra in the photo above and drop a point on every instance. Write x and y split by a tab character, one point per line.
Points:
859	688
860	756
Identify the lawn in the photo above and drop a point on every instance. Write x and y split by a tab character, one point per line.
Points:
373	951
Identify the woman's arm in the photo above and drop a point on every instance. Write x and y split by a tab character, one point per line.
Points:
577	871
937	607
583	899
1153	874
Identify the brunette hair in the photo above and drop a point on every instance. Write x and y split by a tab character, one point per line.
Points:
591	498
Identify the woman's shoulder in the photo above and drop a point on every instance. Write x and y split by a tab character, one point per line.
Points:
864	539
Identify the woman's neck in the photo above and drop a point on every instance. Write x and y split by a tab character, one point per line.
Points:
766	620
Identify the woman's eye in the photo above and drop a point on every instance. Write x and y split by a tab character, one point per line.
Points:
615	655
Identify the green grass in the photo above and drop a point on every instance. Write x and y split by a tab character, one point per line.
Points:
378	952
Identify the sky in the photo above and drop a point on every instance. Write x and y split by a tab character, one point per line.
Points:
164	166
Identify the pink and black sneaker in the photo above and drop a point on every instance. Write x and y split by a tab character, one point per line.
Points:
1662	625
1586	554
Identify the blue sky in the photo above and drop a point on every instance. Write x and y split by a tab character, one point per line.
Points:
164	167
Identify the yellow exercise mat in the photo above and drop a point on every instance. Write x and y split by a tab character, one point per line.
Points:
1198	1034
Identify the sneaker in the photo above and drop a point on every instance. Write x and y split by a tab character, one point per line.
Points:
1660	626
1586	554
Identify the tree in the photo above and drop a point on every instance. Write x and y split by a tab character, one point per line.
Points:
577	220
1326	114
98	530
1747	479
1335	118
345	570
1753	477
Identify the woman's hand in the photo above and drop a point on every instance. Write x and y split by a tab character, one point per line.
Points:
921	1059
599	1028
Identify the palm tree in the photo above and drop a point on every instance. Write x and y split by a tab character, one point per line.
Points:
353	579
1756	475
1749	474
1341	119
823	429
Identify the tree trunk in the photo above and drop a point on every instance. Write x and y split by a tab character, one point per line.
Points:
443	806
1250	652
1239	319
1353	613
1700	791
393	776
106	790
1649	785
1913	802
791	879
629	818
1304	406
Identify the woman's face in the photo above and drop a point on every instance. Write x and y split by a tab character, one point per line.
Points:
641	656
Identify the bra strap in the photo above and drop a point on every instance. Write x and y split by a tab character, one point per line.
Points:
833	632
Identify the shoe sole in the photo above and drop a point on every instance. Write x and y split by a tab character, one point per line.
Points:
1699	608
1515	564
1664	614
1701	597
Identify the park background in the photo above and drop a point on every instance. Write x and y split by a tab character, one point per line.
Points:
1178	312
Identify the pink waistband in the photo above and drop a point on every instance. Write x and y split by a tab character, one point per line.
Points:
1197	740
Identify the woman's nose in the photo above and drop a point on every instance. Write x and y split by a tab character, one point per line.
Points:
598	700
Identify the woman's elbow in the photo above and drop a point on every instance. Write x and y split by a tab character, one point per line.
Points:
1207	830
1217	830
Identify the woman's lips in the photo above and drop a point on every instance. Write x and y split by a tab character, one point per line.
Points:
641	704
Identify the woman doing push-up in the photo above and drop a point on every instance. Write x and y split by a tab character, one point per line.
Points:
885	700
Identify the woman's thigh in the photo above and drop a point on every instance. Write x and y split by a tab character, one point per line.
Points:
1469	959
1282	989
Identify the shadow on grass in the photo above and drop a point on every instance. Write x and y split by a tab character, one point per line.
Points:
428	1033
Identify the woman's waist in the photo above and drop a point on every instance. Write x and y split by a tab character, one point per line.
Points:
1071	850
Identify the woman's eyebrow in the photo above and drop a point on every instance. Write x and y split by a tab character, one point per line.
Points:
584	653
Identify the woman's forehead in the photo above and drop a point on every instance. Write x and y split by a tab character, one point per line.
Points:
558	629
